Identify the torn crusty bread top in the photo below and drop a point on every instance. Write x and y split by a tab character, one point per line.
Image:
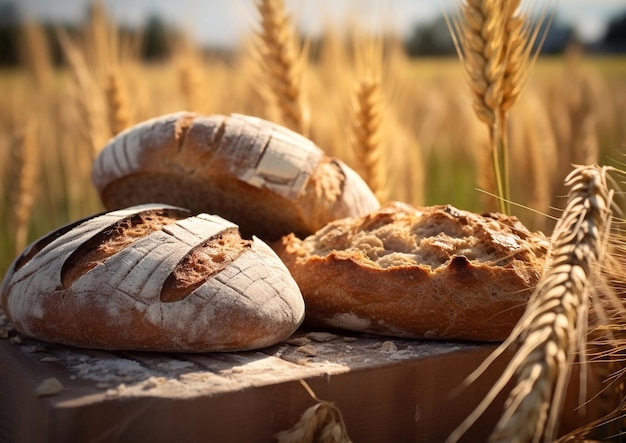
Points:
402	235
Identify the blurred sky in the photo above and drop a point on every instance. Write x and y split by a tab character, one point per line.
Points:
224	22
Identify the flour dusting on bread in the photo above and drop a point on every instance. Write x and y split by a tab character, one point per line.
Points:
153	278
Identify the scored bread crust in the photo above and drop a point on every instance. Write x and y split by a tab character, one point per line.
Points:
266	178
154	278
418	272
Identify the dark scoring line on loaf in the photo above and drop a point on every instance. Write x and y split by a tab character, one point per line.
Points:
181	128
40	244
126	148
219	134
115	238
201	263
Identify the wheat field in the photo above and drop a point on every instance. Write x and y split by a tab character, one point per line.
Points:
412	127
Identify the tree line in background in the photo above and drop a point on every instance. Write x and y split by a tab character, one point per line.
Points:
426	39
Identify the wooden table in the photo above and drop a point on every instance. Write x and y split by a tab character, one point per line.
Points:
388	390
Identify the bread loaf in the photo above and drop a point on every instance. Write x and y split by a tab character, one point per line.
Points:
267	179
431	272
152	278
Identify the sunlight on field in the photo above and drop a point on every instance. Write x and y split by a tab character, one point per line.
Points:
428	108
493	132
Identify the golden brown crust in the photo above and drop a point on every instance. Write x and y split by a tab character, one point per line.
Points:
435	272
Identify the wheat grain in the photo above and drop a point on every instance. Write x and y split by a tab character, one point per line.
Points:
480	35
553	328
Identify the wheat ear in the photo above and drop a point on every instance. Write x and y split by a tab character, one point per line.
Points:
282	65
88	97
321	423
118	102
26	170
522	41
607	345
554	326
36	54
368	111
479	32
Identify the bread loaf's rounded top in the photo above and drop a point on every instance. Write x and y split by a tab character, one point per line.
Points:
262	176
152	277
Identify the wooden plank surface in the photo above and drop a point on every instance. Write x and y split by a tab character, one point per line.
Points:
387	390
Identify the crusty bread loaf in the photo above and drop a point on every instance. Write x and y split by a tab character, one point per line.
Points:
269	180
152	278
430	272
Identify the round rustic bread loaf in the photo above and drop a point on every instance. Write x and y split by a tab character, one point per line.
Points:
154	278
268	179
418	272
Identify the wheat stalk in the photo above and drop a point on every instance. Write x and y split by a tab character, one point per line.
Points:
478	34
281	65
321	423
495	43
554	326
